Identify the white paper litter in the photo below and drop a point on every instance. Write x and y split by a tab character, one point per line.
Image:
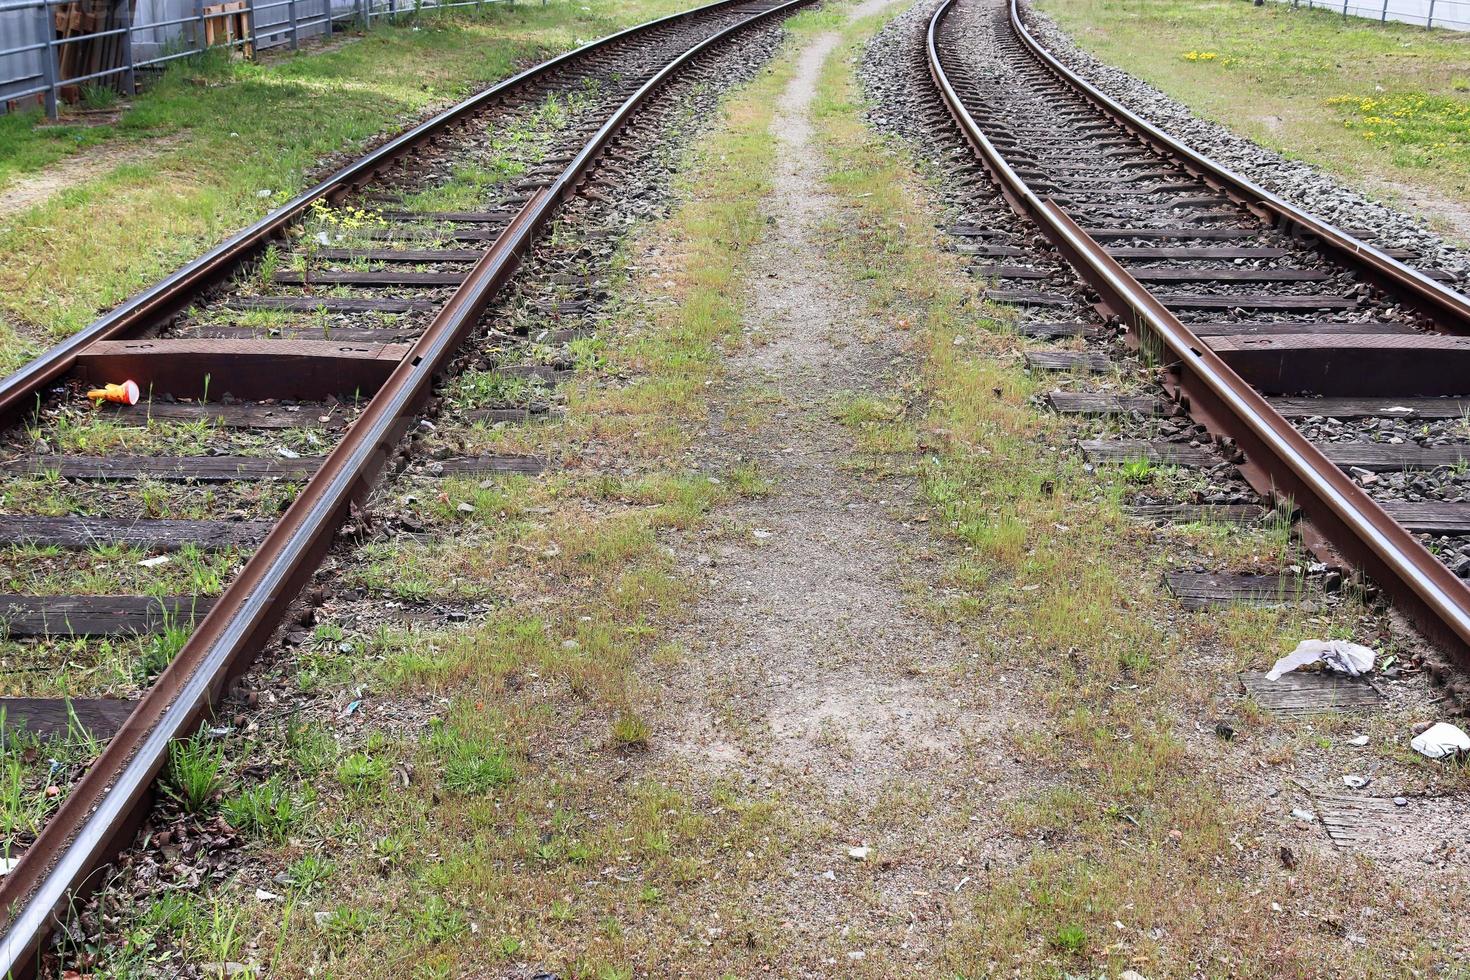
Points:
1441	740
1339	655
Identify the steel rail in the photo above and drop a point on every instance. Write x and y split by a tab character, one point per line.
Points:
1449	309
110	799
1289	465
168	296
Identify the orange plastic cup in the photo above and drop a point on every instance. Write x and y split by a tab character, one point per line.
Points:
123	394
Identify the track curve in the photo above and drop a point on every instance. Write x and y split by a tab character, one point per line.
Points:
1086	170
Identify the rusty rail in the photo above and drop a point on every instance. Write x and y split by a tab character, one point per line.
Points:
106	805
1286	464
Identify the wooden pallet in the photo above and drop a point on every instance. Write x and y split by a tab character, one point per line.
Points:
228	24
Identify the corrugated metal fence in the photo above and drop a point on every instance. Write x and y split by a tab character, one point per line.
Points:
52	50
1452	15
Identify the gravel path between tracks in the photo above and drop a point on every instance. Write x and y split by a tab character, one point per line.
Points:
813	673
808	613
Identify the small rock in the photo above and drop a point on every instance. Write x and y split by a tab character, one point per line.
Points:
466	508
1358	740
227	969
1355	782
1400	801
1307	815
266	896
859	853
321	918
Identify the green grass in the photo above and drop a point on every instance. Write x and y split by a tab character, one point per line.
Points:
271	810
224	131
195	772
1376	104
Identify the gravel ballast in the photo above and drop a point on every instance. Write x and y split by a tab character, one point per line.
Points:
1300	183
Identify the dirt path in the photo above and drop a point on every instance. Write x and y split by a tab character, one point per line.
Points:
35	189
807	629
1445	215
811	670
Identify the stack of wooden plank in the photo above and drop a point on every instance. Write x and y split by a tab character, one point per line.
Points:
81	58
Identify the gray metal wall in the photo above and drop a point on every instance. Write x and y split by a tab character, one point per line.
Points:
19	72
1450	14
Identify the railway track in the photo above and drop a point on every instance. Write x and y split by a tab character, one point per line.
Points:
286	366
1330	371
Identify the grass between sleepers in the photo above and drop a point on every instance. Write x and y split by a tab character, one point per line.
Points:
1386	106
219	133
1141	826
